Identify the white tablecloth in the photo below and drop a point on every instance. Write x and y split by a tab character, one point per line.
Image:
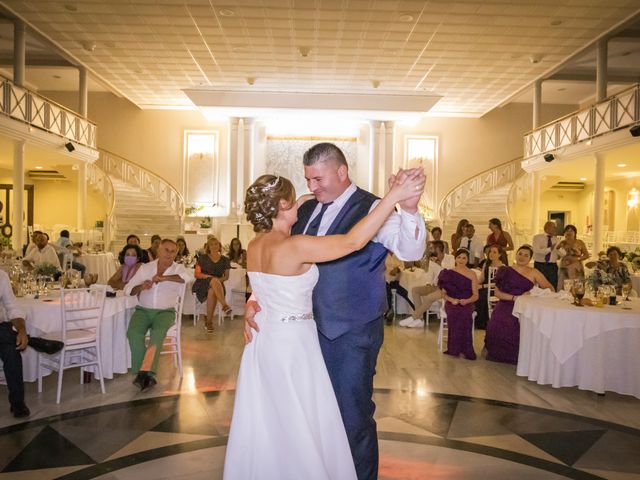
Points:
592	348
101	263
235	283
409	279
45	316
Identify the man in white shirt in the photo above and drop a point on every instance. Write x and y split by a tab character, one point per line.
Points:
425	295
545	255
42	253
157	285
64	247
472	245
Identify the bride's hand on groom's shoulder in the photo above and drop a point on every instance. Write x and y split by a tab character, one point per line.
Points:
250	310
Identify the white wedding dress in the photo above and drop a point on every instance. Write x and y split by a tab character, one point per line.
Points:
286	424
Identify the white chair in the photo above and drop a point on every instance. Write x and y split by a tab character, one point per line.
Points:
201	309
172	344
82	311
491	288
443	331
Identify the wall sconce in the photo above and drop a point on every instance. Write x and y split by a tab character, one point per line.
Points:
633	198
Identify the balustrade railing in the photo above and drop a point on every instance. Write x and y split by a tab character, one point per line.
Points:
616	112
483	182
32	108
101	182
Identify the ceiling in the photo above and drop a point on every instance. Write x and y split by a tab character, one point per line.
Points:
475	54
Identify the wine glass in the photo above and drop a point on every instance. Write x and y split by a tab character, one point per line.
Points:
578	293
626	290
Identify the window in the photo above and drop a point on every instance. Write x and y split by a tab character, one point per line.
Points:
201	167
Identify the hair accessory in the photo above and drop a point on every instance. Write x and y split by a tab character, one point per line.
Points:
272	184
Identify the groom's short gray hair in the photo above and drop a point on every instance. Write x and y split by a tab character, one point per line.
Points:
323	152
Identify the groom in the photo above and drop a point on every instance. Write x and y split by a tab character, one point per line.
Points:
349	299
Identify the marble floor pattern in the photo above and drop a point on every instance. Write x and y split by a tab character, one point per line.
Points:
438	417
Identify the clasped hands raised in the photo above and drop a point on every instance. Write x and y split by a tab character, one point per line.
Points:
408	185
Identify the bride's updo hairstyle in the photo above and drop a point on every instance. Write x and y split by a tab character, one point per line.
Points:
262	201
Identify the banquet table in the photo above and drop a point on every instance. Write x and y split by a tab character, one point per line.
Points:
593	348
44	316
409	278
101	263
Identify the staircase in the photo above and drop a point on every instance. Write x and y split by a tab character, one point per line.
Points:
141	202
479	199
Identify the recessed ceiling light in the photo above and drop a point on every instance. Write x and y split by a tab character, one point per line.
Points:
583	179
71	7
622	165
226	12
555	23
39	167
406	18
57	77
561	89
375	83
624	54
89	46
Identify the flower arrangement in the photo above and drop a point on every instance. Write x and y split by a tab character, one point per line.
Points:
193	210
45	269
632	258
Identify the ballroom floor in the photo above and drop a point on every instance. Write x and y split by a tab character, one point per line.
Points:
438	418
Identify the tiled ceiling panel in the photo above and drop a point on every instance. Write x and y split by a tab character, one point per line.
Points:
473	53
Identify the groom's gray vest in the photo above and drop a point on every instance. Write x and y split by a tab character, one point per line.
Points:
351	290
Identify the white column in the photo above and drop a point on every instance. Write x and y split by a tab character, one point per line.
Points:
535	202
18	52
82	198
18	195
83	92
374	158
537	102
598	201
244	167
389	130
233	164
601	70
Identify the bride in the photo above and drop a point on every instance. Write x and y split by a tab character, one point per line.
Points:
286	424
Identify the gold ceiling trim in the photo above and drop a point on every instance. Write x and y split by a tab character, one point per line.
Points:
326	139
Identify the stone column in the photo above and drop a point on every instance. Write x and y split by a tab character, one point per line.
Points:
598	201
389	130
537	102
82	199
244	165
83	92
374	157
601	70
535	201
18	196
233	165
18	52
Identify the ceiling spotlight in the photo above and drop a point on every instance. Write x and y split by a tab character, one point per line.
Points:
89	46
226	12
621	165
406	18
304	51
57	77
71	7
251	80
548	157
375	83
583	179
38	167
535	58
555	23
635	131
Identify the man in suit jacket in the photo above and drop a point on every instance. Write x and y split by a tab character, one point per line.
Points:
349	299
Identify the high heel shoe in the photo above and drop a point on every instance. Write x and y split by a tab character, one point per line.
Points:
227	310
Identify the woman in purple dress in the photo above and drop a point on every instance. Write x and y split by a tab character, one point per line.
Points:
460	286
503	332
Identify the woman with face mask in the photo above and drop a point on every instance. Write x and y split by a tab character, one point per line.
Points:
503	331
131	260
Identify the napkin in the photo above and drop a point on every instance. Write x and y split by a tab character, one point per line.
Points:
547	293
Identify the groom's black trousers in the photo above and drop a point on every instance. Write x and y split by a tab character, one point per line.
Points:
351	362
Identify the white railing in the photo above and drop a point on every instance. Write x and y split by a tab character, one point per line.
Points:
29	107
616	112
483	182
143	179
101	182
519	210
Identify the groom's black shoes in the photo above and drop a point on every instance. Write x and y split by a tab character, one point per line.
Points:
44	345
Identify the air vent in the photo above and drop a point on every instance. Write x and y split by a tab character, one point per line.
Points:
46	175
568	186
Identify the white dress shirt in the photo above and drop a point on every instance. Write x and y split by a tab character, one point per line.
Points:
46	255
8	306
475	247
540	248
398	234
447	263
162	295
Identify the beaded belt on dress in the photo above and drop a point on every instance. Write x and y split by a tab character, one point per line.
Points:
297	317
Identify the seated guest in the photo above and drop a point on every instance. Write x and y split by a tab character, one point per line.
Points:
436	234
212	270
134	240
458	234
613	267
572	253
500	237
156	284
153	248
460	288
26	249
424	296
132	259
42	254
503	331
63	247
489	268
237	254
393	267
545	253
472	244
183	250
